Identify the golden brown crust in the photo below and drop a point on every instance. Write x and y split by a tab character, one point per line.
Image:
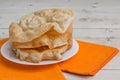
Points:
44	34
42	53
51	39
34	25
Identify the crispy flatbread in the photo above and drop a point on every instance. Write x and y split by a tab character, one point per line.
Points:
51	39
36	24
42	53
44	34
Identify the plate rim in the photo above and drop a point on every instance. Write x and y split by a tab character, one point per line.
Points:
30	63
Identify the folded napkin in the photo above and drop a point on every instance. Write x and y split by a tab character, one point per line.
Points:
13	71
89	59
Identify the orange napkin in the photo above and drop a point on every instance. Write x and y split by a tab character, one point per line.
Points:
13	71
89	59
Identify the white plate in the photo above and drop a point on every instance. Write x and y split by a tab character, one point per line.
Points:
7	53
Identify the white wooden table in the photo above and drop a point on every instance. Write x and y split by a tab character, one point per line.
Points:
96	21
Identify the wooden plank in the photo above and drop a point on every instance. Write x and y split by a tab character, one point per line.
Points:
113	64
94	37
96	33
87	33
85	18
14	4
101	75
85	3
4	33
89	14
109	37
103	41
90	35
103	3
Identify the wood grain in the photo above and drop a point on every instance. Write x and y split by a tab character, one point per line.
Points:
96	21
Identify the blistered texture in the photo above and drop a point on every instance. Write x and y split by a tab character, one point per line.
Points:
44	34
51	38
37	54
42	53
38	23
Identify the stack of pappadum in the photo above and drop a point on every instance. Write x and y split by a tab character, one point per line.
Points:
42	35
